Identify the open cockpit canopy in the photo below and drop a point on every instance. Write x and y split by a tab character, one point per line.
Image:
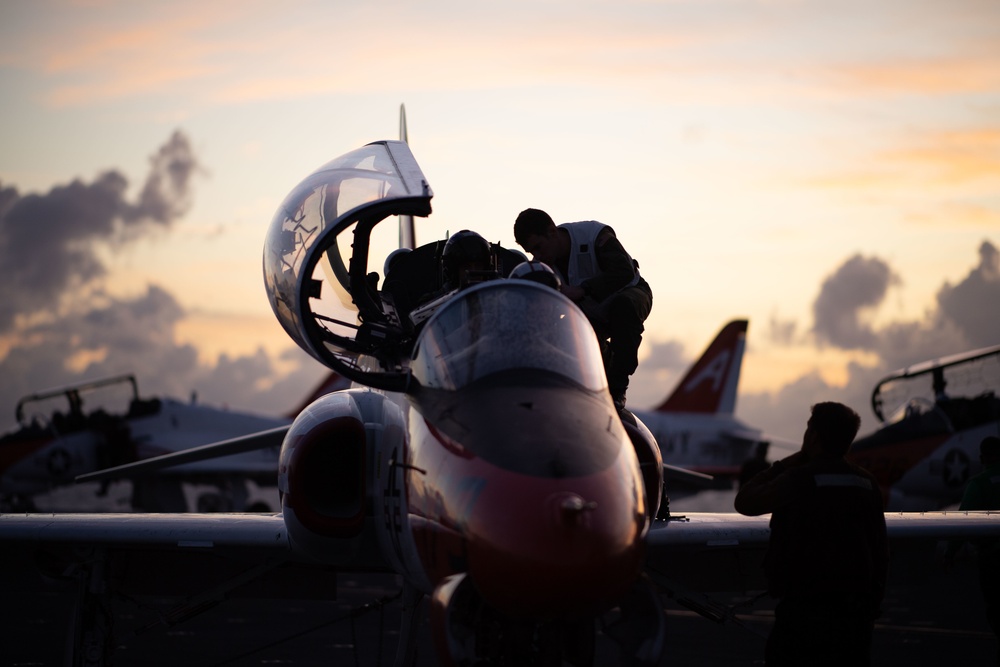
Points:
320	281
962	388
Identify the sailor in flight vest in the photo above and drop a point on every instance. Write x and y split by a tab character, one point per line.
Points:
827	558
602	278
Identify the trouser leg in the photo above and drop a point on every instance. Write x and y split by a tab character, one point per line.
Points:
626	335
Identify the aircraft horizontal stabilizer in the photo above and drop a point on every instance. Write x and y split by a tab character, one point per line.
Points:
247	443
674	473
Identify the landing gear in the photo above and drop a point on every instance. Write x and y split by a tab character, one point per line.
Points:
469	632
638	626
406	651
91	639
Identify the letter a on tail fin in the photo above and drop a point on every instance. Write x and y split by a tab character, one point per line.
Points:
710	386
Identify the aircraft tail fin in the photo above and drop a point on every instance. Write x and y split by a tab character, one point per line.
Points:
710	385
407	231
332	382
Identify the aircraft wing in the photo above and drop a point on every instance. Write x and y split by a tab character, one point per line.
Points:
181	564
194	561
724	551
708	551
700	530
707	530
263	533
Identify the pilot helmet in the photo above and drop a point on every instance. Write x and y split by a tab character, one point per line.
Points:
467	258
538	272
392	259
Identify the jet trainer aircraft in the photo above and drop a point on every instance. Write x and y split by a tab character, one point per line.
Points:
482	460
934	416
50	448
695	426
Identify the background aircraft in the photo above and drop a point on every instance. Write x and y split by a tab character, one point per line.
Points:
482	461
59	438
935	414
695	426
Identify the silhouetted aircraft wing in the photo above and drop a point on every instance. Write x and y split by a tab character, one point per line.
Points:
724	551
698	532
150	531
245	443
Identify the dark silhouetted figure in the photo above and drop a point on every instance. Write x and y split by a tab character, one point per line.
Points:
828	556
467	259
602	278
983	493
755	464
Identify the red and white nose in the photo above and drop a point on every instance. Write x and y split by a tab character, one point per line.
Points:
552	548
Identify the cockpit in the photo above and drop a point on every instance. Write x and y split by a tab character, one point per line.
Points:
323	255
475	351
316	260
507	326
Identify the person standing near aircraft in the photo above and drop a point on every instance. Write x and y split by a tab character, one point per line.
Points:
828	557
983	493
602	278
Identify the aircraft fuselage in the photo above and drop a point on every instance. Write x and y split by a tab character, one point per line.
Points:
503	486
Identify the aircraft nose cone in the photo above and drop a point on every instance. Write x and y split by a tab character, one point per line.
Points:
578	552
572	507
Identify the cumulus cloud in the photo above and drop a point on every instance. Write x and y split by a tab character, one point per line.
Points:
782	331
59	326
166	194
665	356
659	371
122	336
118	336
782	414
857	287
972	304
49	243
965	319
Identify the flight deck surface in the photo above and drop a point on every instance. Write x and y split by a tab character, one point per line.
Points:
931	616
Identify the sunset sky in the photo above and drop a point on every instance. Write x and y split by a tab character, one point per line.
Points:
828	170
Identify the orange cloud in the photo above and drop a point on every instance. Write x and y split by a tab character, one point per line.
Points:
99	60
959	214
955	157
967	74
947	159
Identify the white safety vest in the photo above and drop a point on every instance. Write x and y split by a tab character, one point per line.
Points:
583	252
